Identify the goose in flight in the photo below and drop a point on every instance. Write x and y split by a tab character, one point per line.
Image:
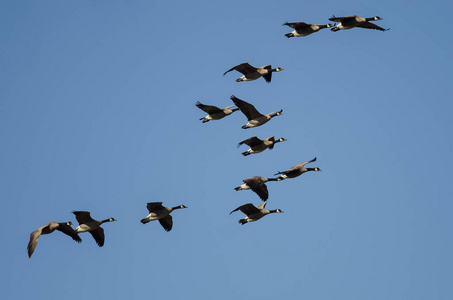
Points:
356	21
304	29
254	117
296	170
257	145
86	223
256	184
47	229
159	212
215	113
251	73
254	213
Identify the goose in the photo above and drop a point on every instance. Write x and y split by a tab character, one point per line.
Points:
252	73
256	184
215	113
47	229
257	145
296	170
159	212
86	223
304	29
254	213
255	117
356	21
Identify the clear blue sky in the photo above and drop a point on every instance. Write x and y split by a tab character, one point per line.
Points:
97	113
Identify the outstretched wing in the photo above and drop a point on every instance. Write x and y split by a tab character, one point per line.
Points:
258	187
167	222
67	229
154	206
297	25
248	208
98	235
342	19
369	25
210	109
243	68
34	237
83	217
246	108
307	162
252	142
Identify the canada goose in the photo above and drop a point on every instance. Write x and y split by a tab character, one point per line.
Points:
47	229
355	21
252	73
254	213
257	145
297	170
86	223
256	184
304	29
255	117
161	213
215	113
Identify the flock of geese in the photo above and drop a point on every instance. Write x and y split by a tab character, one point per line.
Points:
256	183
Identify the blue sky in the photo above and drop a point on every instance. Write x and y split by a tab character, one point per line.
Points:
97	113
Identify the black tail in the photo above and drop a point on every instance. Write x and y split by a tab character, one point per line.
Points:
245	153
144	221
242	221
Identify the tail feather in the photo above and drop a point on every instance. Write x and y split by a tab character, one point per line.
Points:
242	221
144	221
245	153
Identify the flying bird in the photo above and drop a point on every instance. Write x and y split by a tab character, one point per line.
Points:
252	73
215	113
254	117
256	184
304	29
47	229
254	213
257	145
296	170
159	212
356	21
86	223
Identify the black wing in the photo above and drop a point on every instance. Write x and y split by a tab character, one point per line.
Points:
98	235
243	68
246	108
167	222
297	25
268	77
258	187
342	19
248	208
253	141
83	217
210	109
369	25
154	206
67	229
